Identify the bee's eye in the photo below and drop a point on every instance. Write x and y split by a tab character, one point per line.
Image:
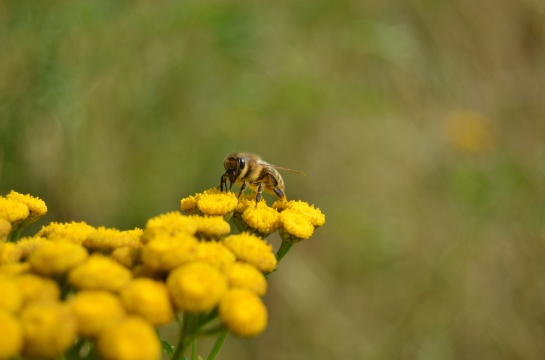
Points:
241	164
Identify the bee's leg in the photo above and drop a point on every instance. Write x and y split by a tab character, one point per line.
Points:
223	182
259	191
242	188
279	193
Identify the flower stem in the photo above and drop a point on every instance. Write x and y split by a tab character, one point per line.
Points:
217	345
283	250
194	349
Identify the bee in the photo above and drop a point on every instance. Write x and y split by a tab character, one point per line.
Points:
249	169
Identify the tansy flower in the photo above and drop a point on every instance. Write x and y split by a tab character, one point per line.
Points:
11	340
9	253
36	206
11	299
166	252
314	215
172	223
75	232
148	299
243	312
49	330
12	210
253	250
189	205
127	256
295	226
211	227
216	202
55	258
245	201
215	253
108	239
95	310
99	272
243	275
130	339
196	287
35	289
261	219
5	229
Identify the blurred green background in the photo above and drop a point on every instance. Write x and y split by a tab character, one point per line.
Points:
420	125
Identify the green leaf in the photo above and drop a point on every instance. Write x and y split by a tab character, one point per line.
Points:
167	347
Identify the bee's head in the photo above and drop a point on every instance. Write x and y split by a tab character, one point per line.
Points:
234	166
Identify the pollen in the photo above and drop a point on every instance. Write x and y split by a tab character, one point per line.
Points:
253	250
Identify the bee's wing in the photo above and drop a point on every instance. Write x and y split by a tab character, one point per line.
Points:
281	168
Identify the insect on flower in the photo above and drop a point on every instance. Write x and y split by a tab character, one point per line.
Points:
249	169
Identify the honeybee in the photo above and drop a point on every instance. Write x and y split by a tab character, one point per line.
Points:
249	169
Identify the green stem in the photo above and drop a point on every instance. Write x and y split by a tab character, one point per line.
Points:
217	345
283	250
194	349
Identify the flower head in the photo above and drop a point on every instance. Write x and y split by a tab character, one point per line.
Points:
107	239
5	229
314	215
130	339
9	253
36	289
75	232
99	272
261	219
28	245
253	250
36	206
196	287
295	226
13	269
13	211
215	253
127	256
216	202
149	299
166	252
49	330
172	223
95	311
211	227
11	299
55	258
243	312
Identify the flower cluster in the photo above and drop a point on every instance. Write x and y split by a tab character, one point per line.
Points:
82	291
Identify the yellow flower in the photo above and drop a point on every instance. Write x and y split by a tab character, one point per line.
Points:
36	206
75	232
11	298
189	205
14	269
211	227
11	341
9	253
35	289
149	299
49	330
28	245
243	312
5	229
99	273
244	275
261	218
295	226
314	215
172	223
215	253
216	202
95	311
166	252
108	239
130	339
196	287
253	250
13	211
55	258
127	256
246	201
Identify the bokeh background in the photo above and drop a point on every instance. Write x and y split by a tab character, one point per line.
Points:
420	125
